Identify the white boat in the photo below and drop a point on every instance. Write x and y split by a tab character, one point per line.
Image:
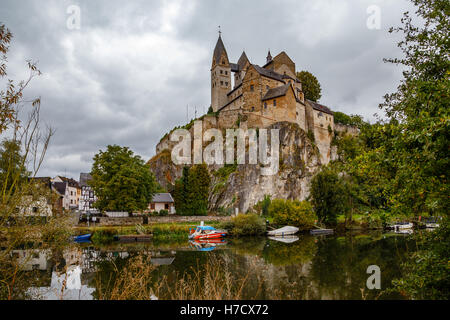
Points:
285	231
403	226
286	239
431	225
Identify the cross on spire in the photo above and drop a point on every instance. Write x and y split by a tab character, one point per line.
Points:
220	32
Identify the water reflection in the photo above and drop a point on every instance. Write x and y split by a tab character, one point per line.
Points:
300	267
207	245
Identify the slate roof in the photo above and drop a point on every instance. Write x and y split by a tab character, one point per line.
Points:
72	182
242	60
162	198
234	67
268	73
276	92
320	107
46	181
219	49
84	178
60	187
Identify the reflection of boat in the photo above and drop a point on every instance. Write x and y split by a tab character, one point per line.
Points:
207	245
286	239
285	231
404	231
401	226
316	232
83	238
206	233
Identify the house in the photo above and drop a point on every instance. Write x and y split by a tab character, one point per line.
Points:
39	204
88	197
73	192
162	201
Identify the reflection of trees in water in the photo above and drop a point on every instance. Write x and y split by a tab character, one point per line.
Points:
339	268
253	268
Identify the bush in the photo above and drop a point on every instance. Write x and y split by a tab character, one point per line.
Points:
245	225
329	196
295	213
163	213
104	235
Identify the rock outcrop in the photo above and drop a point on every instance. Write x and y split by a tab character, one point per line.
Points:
242	186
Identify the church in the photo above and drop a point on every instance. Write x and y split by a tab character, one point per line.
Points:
264	95
247	95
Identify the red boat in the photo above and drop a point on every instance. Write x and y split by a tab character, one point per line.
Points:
206	233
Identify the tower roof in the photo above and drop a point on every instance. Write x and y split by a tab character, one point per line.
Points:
269	57
242	60
219	49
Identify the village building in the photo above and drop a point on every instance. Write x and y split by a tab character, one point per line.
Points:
162	201
88	196
72	193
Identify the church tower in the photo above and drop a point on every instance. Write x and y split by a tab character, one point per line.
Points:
220	76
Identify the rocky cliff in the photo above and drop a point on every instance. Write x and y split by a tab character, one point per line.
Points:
242	186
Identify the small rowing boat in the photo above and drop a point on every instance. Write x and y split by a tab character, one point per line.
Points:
285	231
83	238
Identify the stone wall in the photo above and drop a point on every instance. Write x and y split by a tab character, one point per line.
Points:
342	128
131	221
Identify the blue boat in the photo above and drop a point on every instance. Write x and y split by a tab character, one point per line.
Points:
83	238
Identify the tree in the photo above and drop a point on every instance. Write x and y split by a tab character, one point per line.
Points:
23	150
121	181
328	196
192	191
12	165
419	114
296	213
310	85
180	191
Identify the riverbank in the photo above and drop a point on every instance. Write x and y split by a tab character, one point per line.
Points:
173	231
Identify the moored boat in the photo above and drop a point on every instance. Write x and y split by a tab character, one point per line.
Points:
285	231
403	226
206	233
82	238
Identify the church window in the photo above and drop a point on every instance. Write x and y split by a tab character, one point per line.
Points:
253	108
252	88
221	71
221	83
226	83
226	72
274	103
223	61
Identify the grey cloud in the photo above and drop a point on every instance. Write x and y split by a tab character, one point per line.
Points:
127	76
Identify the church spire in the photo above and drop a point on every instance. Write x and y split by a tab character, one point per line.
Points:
269	57
219	50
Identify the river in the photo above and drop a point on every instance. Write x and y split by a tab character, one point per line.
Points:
303	267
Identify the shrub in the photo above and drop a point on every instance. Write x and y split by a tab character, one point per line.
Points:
245	225
163	213
262	207
295	213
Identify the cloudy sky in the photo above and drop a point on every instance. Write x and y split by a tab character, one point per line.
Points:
127	74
